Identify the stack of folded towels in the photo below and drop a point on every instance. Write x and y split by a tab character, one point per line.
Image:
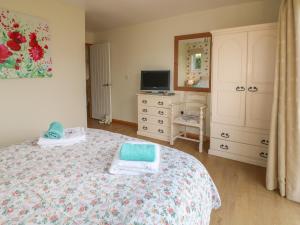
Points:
57	136
136	158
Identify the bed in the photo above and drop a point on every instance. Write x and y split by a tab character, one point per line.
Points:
71	185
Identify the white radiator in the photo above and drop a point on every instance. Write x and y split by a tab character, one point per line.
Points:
101	82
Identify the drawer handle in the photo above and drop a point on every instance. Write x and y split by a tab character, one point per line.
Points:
144	119
145	110
160	121
161	112
161	131
225	135
265	142
263	155
253	89
145	128
144	101
225	147
238	88
160	103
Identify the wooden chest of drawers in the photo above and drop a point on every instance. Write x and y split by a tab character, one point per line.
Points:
154	115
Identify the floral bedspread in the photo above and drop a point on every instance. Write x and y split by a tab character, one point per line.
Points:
71	185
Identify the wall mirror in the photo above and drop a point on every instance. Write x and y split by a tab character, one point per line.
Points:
192	59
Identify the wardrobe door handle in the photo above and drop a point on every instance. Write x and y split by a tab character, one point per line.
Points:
253	89
263	155
264	142
225	135
240	88
225	147
160	103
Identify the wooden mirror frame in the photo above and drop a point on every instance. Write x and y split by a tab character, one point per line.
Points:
176	44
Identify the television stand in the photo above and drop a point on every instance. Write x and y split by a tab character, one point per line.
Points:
154	115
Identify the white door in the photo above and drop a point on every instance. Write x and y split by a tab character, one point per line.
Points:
101	82
260	76
229	78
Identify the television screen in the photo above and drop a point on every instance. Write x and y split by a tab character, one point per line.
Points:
155	80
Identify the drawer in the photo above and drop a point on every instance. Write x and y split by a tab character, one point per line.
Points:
239	135
154	101
161	121
151	128
144	101
161	102
154	111
251	151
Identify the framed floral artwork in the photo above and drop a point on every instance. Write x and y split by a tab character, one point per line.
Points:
24	46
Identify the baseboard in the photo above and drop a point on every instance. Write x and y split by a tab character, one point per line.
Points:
132	124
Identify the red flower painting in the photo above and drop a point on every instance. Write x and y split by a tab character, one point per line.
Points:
16	39
13	45
24	46
36	53
4	54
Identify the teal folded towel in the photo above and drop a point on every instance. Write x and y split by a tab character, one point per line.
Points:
137	152
55	131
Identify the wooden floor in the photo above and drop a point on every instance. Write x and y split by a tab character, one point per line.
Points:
245	201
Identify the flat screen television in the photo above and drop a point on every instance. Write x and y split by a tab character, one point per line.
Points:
155	80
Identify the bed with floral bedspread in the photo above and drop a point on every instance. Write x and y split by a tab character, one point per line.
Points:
71	185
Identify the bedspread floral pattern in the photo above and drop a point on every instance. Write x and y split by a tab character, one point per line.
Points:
71	185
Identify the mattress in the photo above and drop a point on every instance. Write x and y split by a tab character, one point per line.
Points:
72	185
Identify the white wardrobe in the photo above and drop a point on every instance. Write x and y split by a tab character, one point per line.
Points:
243	67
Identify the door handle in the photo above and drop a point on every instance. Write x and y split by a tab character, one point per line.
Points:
106	85
253	89
240	88
264	142
263	155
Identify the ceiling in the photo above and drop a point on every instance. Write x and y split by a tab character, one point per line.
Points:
107	14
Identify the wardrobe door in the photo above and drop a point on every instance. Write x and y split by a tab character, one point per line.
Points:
260	76
229	78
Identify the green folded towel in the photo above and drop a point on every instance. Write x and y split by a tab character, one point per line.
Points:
137	152
55	131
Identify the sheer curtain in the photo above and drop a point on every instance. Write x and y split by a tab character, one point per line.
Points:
283	170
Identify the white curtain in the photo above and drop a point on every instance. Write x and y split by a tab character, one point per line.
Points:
283	170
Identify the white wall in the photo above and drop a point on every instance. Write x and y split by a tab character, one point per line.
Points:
150	46
90	38
27	106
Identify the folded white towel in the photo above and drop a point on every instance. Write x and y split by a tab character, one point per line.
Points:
124	167
72	136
